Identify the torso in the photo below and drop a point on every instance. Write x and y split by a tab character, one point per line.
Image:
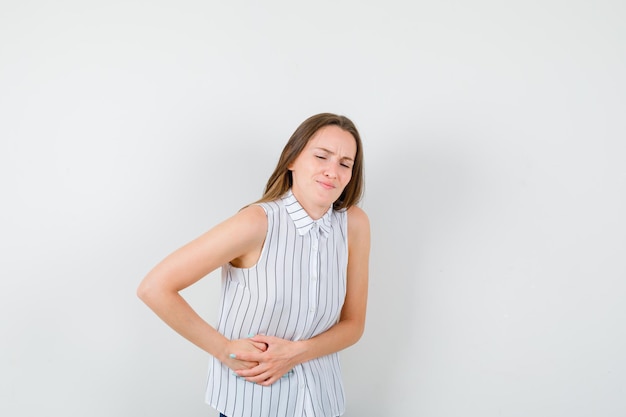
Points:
292	285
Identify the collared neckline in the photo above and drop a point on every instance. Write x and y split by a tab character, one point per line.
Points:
301	218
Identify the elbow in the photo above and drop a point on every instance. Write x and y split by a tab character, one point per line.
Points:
154	293
146	292
357	330
142	292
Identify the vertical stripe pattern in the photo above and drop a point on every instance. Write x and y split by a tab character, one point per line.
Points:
295	291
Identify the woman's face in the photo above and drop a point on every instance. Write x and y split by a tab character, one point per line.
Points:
323	169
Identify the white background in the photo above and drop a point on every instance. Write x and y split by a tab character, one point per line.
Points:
495	144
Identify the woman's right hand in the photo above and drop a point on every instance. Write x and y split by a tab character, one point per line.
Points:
239	346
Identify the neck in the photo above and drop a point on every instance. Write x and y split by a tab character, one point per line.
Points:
315	212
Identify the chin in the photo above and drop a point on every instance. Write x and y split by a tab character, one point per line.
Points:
328	199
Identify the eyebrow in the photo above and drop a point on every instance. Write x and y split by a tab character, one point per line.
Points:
333	153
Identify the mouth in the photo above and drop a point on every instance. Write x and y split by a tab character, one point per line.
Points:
326	185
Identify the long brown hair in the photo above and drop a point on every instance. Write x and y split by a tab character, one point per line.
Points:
281	180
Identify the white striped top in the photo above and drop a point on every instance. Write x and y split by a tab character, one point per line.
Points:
295	291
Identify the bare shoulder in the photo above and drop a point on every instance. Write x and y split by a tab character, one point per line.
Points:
357	218
252	213
250	227
358	224
251	218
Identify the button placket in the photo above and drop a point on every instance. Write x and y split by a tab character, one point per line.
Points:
314	268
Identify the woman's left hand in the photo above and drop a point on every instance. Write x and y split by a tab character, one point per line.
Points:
277	360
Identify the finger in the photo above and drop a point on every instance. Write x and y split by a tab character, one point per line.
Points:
264	378
273	378
242	366
261	342
268	382
259	338
259	345
238	362
259	375
261	379
248	357
253	372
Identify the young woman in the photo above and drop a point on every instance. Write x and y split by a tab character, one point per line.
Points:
294	281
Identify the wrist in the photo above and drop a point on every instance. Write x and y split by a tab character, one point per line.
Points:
221	349
302	350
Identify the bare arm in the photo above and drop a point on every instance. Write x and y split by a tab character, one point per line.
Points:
282	355
237	238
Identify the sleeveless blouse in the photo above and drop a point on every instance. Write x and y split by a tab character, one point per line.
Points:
295	291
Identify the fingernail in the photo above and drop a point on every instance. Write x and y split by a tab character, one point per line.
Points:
251	335
232	356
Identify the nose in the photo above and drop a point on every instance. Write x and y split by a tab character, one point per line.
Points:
331	171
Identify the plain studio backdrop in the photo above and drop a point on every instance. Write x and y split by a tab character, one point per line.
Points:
495	146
